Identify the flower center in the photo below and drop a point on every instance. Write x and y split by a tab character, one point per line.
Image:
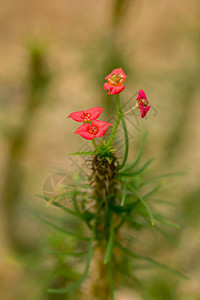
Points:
86	116
116	79
93	129
144	102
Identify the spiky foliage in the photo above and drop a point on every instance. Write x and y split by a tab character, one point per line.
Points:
113	200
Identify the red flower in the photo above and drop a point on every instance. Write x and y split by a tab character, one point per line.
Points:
143	103
89	114
95	129
115	81
143	110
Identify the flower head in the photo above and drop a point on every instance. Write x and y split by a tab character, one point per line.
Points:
95	129
115	81
143	103
84	116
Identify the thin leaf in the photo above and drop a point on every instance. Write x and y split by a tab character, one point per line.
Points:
126	143
60	206
162	176
162	220
123	195
150	260
154	190
110	243
130	174
133	165
59	228
83	153
144	204
61	254
79	282
108	159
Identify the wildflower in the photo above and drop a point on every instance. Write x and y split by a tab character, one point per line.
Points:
115	81
143	103
95	129
87	115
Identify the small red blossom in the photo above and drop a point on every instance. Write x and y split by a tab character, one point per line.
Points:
115	81
144	110
143	103
89	114
95	129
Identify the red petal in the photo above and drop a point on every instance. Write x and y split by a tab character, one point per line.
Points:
141	95
95	112
143	110
118	71
102	127
76	116
113	90
83	131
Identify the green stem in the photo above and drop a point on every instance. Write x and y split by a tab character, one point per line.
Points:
95	144
119	117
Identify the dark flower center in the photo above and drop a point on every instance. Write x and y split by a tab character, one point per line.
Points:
93	129
144	102
86	116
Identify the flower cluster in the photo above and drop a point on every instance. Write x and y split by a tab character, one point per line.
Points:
114	85
90	128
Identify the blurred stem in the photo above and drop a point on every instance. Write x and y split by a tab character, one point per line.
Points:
119	117
37	87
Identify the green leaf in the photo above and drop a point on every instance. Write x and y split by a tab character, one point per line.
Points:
79	282
124	173
64	254
108	159
144	204
110	243
162	220
163	176
133	165
126	143
83	153
59	228
150	260
123	195
60	206
154	190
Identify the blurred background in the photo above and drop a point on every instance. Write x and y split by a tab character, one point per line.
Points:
54	57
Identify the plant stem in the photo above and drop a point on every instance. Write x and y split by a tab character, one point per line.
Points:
136	106
95	144
119	117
